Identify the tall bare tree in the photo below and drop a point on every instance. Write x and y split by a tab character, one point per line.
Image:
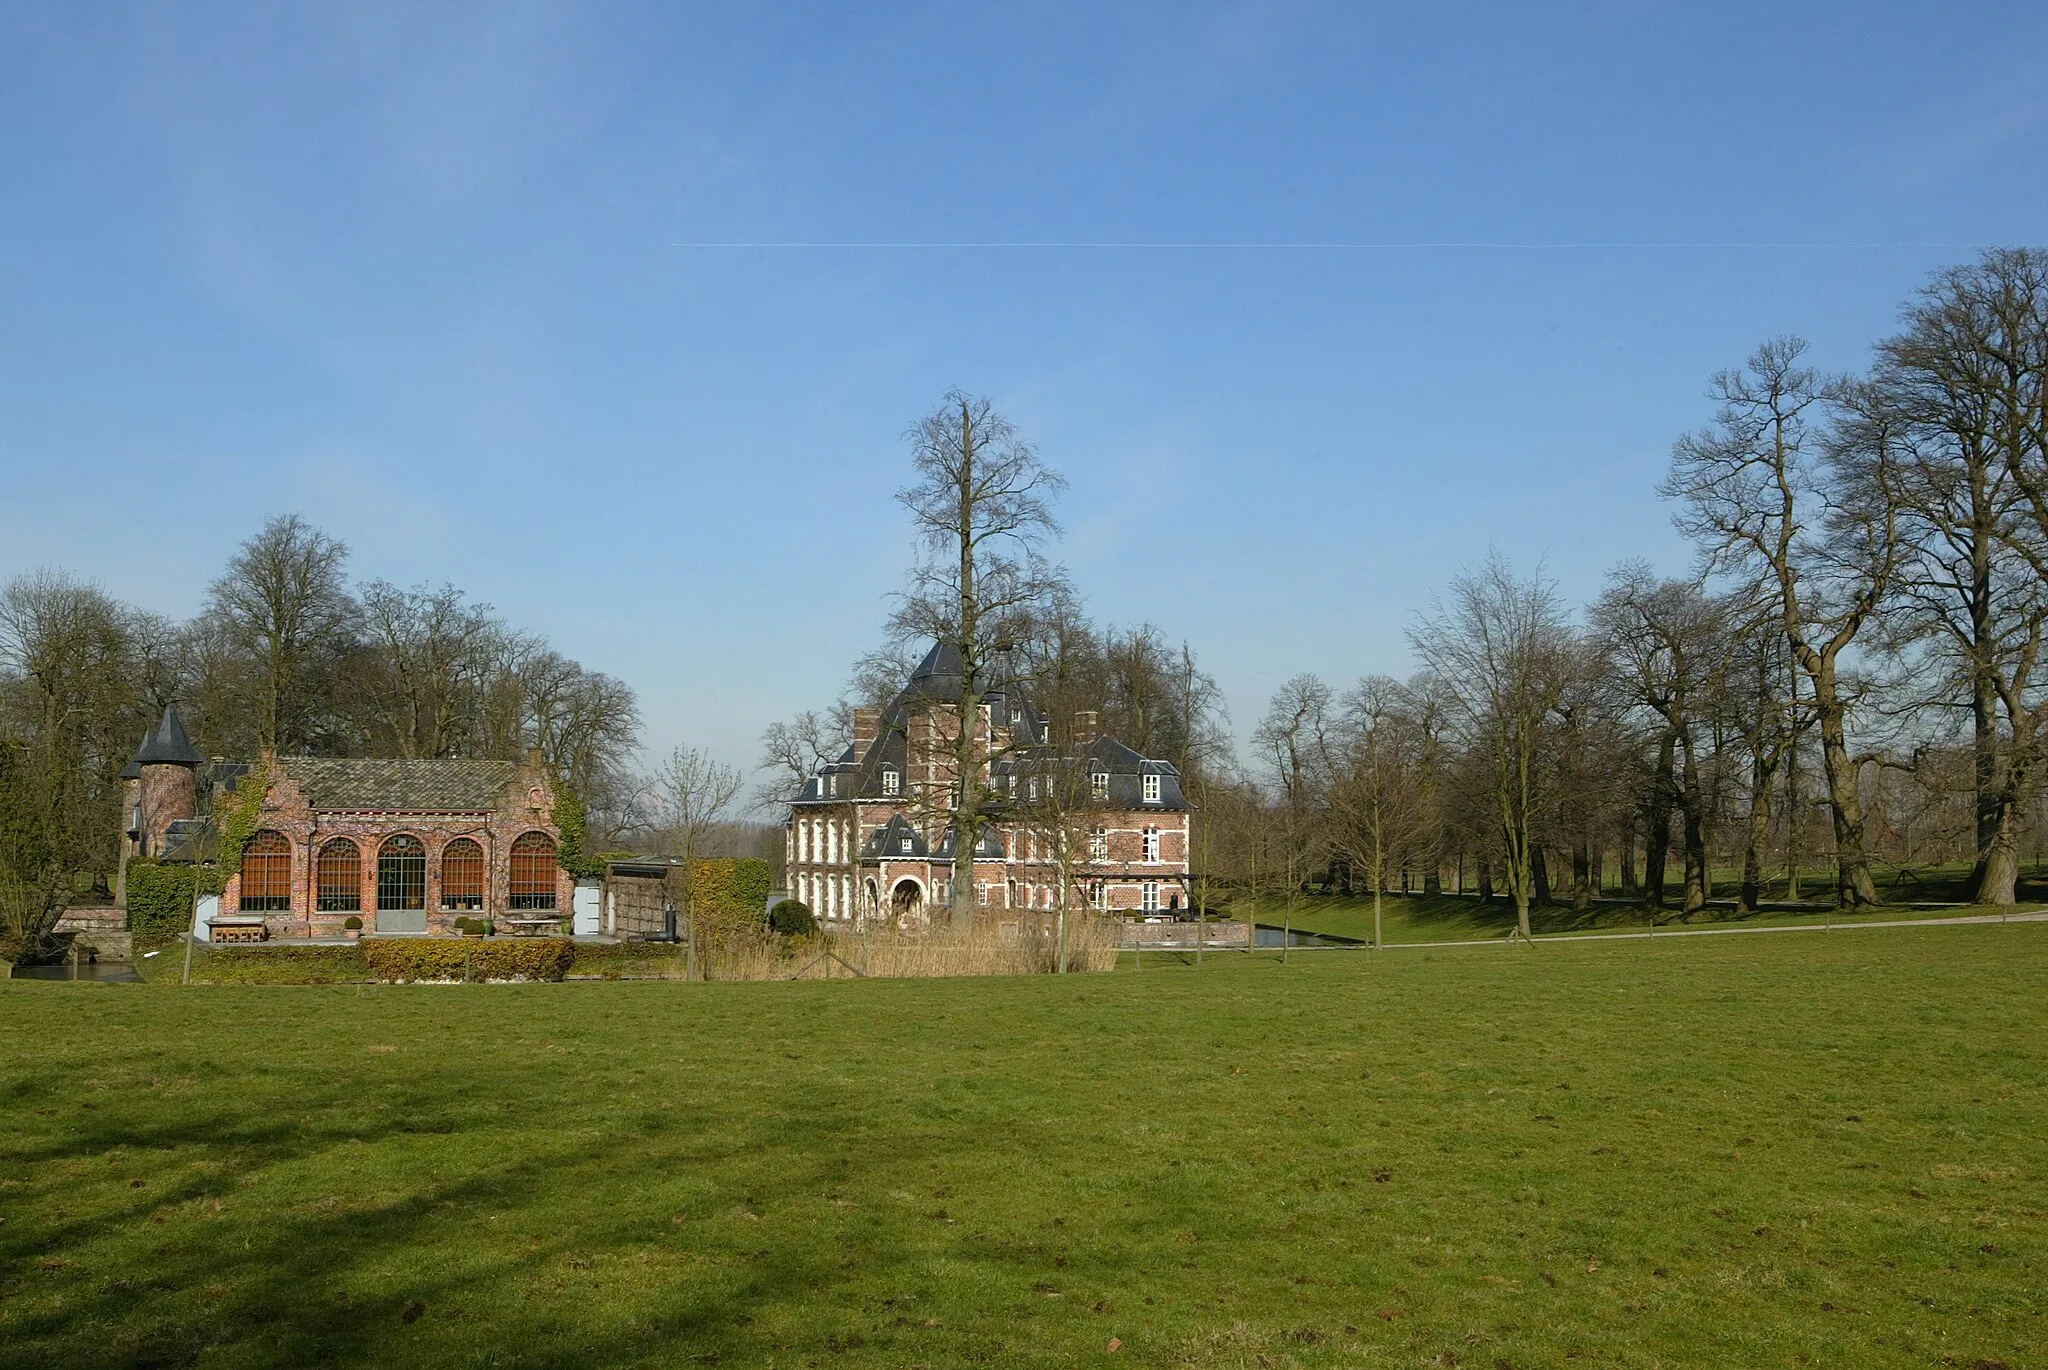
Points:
1787	493
980	506
1501	647
283	599
1967	380
692	794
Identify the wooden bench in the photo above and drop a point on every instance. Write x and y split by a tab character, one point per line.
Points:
236	928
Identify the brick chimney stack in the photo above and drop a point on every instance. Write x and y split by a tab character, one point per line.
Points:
866	723
1087	726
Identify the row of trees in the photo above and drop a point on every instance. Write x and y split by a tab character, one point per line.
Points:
286	652
1861	635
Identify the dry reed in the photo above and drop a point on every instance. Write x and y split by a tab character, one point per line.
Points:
1026	946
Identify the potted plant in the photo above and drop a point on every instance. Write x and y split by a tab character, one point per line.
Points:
354	926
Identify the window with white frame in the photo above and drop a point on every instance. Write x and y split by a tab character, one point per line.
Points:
1148	899
1033	788
1098	845
1098	785
892	783
1099	896
906	841
1151	844
1151	789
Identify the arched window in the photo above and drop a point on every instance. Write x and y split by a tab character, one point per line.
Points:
402	874
339	872
267	874
533	872
462	875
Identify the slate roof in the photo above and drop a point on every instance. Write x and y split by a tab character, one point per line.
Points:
433	786
168	745
937	677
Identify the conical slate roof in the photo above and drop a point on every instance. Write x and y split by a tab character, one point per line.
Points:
133	770
168	745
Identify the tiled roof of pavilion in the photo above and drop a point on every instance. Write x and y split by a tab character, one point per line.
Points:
376	785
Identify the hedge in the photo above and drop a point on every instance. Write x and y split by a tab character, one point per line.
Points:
159	900
278	966
615	960
435	958
729	894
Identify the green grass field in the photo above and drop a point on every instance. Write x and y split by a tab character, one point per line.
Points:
1744	1151
1458	918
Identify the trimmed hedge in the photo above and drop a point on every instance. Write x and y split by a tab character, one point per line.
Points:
436	958
276	966
159	900
728	894
615	960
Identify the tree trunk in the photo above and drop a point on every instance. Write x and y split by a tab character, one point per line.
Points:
1628	859
1539	876
1657	825
1854	887
1751	893
1485	881
1582	879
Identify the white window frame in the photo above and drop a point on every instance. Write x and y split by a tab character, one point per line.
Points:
892	783
1148	897
1098	845
1152	845
1152	789
1098	785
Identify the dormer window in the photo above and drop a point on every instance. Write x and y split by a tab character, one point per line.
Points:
831	786
1034	789
1098	785
1151	789
892	783
906	841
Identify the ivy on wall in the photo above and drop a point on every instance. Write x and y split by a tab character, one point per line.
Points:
574	825
236	821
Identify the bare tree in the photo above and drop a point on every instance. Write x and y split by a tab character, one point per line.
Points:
1797	510
1293	744
691	795
1968	382
284	601
422	676
1376	794
1499	646
980	507
1668	644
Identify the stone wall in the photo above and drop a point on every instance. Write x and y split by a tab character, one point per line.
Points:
1181	936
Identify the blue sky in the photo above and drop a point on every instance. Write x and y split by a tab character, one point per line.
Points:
431	275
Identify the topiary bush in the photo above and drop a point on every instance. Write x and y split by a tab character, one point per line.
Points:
438	958
792	918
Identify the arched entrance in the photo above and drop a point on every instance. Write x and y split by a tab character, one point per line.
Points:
906	906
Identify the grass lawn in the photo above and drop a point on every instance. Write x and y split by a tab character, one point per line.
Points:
1458	918
1689	1152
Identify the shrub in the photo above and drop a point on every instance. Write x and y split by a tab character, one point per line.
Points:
159	900
434	958
728	895
792	918
353	923
281	966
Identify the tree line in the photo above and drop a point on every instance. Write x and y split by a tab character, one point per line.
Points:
1849	673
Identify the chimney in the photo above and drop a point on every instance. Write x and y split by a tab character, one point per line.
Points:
533	757
866	723
1087	726
267	756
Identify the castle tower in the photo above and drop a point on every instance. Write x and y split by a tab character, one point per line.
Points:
165	781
